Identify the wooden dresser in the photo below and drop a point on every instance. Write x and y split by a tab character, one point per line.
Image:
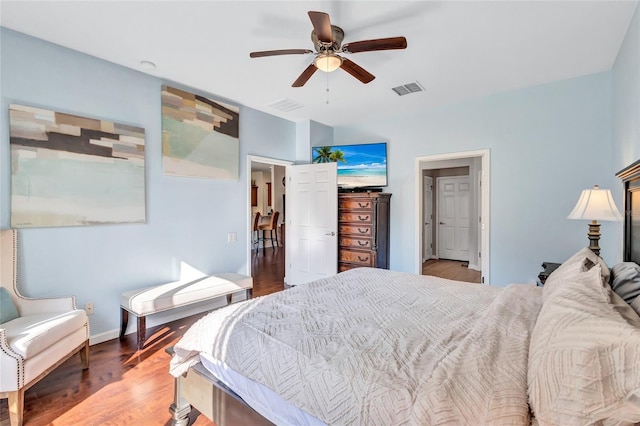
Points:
363	230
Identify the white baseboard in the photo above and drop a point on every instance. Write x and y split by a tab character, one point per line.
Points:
475	267
103	337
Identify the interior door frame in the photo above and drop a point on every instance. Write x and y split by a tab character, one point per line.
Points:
485	211
430	228
255	159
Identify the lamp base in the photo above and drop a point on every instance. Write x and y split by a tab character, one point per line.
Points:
594	237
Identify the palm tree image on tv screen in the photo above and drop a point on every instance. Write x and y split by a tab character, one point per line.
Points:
359	166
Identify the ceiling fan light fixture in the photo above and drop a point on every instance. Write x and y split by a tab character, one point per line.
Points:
328	62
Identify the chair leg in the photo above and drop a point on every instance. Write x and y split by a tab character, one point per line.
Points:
16	407
276	231
84	355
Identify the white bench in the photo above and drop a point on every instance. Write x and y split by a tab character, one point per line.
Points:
151	300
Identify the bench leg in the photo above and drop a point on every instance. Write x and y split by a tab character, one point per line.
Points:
229	298
249	293
124	321
142	331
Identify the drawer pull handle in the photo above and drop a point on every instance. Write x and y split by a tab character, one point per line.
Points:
363	243
363	231
366	259
363	206
363	218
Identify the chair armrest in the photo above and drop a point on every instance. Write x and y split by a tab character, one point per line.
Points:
32	306
10	363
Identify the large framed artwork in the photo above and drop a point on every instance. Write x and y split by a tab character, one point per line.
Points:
199	136
68	170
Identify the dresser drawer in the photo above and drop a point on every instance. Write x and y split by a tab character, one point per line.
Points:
361	217
364	230
354	204
363	258
342	266
363	243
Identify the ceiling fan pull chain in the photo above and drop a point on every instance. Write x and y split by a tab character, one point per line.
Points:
327	83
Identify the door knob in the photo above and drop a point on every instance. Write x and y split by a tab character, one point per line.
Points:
331	233
442	223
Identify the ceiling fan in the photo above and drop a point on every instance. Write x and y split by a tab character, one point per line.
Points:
327	41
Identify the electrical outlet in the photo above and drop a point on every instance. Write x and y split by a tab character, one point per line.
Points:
88	307
232	237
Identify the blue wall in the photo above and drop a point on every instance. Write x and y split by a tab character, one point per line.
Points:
547	144
187	219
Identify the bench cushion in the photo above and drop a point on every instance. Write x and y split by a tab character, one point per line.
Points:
29	335
160	298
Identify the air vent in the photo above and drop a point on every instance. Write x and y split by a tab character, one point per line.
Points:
285	105
408	88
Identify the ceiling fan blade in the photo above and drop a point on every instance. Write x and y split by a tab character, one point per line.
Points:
306	75
390	43
279	52
357	71
322	26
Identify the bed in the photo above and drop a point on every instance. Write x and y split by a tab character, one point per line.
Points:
371	346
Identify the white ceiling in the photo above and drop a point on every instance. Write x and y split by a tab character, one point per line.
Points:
456	50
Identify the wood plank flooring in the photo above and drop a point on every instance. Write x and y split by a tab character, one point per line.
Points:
451	269
124	386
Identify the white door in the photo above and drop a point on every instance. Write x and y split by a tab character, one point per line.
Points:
427	214
311	251
453	217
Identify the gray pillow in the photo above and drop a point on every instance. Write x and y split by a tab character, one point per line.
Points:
625	280
8	310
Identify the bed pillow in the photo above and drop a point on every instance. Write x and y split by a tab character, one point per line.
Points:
580	262
8	310
584	356
625	280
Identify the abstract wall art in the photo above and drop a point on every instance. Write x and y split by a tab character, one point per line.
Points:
68	170
199	136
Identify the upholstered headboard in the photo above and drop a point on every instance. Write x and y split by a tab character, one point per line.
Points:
631	179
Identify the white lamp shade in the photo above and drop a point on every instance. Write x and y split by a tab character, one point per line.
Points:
595	204
328	62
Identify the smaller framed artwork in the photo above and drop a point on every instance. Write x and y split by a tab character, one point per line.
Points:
68	170
200	136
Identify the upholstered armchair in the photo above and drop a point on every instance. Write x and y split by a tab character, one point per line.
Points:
45	333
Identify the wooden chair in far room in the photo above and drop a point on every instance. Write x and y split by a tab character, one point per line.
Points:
256	240
272	227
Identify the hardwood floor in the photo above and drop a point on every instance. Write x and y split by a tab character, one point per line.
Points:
451	269
124	386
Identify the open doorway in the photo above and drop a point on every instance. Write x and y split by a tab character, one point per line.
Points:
266	216
452	217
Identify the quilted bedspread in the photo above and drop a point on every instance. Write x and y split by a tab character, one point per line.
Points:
371	346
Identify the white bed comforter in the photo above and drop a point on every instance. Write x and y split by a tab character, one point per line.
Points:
372	346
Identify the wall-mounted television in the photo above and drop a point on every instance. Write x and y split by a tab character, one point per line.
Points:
360	166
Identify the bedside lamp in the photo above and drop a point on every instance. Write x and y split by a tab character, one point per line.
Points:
595	204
